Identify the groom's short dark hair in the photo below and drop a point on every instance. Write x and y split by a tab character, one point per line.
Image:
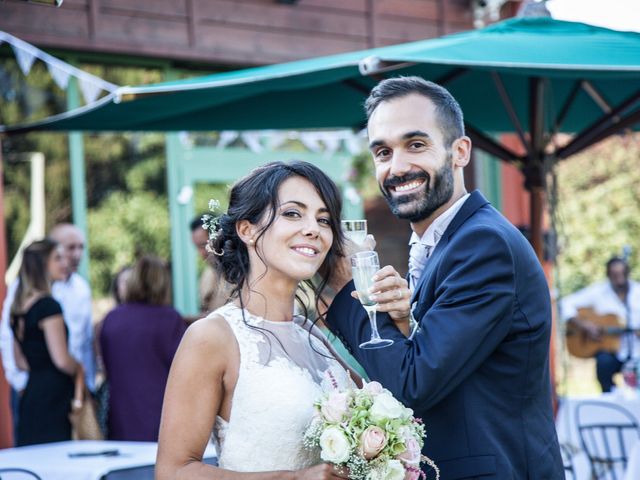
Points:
448	109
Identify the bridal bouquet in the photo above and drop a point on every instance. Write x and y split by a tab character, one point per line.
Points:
370	432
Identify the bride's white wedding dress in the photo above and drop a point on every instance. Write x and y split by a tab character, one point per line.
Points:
282	372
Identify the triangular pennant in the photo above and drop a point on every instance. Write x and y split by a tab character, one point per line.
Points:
24	58
90	91
331	141
355	142
277	139
226	137
252	140
59	75
310	141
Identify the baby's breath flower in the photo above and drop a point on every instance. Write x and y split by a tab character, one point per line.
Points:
214	205
210	221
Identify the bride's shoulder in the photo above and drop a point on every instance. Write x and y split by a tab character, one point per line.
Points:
211	332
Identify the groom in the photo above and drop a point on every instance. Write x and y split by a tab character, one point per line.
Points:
475	367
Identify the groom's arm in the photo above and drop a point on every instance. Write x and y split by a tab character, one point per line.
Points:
471	316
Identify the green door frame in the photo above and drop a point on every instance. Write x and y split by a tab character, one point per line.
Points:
78	178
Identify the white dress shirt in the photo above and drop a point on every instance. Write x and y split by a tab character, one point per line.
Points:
74	296
423	247
604	300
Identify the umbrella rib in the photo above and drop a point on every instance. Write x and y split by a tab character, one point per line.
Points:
504	96
489	145
349	82
596	96
592	130
567	105
610	130
451	76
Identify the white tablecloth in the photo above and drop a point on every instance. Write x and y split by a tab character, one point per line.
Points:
633	467
568	430
52	461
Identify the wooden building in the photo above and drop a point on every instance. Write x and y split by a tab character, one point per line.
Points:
231	32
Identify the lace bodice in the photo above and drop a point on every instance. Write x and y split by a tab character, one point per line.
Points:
282	372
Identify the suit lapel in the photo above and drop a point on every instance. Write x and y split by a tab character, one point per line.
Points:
475	201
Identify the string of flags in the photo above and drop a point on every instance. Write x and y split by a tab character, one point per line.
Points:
26	54
327	142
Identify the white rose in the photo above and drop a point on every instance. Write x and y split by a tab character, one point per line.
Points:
374	388
392	470
395	470
335	445
385	406
336	407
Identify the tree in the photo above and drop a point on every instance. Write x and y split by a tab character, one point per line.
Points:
599	200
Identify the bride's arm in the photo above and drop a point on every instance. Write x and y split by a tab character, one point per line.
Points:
200	375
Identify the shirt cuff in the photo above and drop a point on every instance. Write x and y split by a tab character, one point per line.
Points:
414	326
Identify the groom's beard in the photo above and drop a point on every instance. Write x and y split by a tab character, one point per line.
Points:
427	201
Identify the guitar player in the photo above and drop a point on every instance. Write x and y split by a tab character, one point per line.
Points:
619	296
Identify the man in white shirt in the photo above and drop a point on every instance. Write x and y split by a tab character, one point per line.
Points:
74	296
619	296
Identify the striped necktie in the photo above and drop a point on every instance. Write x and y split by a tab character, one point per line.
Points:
418	255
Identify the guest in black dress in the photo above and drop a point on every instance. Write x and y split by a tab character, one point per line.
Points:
40	347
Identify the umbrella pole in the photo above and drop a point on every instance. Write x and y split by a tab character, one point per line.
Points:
536	208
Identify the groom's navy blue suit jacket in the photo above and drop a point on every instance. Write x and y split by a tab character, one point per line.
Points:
477	371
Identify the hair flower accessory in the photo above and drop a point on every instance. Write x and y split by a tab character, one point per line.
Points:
211	223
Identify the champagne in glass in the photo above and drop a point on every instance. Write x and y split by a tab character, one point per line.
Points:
355	230
364	265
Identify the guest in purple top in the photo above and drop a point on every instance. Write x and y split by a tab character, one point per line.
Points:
138	341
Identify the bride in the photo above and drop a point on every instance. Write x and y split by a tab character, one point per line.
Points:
250	371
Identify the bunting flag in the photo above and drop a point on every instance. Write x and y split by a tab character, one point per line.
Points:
252	140
90	89
226	137
26	54
327	141
24	58
60	76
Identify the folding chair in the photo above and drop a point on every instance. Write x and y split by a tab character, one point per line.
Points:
567	462
18	474
607	433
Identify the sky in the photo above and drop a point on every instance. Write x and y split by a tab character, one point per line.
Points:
615	14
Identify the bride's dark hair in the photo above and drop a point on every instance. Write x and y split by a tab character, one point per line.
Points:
250	199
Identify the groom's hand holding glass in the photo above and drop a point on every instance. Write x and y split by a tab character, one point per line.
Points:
393	296
390	288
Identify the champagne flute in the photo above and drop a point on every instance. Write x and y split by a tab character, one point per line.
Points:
355	230
364	265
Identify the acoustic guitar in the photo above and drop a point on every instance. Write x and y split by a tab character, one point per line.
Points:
611	326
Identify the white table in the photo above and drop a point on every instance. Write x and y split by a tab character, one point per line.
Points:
568	430
52	461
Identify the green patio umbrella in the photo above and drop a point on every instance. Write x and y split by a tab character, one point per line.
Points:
532	76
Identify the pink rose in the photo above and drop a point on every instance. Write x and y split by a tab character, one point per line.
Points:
335	408
411	455
372	441
412	473
374	388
